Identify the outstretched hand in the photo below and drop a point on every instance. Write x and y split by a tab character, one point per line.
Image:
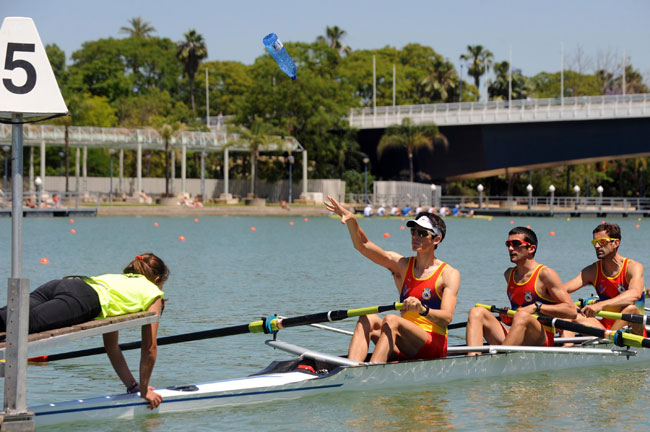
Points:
335	207
153	398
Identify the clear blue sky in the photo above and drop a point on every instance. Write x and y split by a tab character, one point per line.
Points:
234	30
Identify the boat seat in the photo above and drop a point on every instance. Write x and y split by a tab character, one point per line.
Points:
54	338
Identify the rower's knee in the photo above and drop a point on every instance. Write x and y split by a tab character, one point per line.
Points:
522	318
476	314
630	309
390	321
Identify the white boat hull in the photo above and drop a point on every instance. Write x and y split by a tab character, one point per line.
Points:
290	385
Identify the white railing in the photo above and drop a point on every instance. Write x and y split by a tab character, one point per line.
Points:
517	111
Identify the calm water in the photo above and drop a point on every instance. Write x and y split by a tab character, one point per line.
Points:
226	274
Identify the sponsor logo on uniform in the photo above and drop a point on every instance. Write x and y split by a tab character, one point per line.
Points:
426	294
621	288
528	296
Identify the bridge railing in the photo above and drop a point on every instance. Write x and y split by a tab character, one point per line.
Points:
572	108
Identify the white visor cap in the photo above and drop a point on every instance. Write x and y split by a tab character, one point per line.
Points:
424	222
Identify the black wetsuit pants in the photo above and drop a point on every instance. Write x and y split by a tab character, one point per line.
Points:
59	303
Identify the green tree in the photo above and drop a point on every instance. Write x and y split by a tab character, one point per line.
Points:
441	83
190	52
229	82
333	36
411	137
508	81
138	28
56	56
260	135
479	59
167	129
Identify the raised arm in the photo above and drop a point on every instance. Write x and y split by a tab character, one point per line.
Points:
148	354
391	260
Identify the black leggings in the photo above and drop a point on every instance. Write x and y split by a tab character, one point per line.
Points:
59	303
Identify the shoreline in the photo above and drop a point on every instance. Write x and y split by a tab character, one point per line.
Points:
225	210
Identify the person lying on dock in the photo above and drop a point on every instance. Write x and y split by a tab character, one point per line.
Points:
532	288
428	289
618	282
78	299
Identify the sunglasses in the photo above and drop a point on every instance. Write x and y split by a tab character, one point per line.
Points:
420	233
516	243
602	241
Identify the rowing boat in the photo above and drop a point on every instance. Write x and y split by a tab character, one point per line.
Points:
311	373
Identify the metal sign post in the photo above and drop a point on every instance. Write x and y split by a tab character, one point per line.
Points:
28	89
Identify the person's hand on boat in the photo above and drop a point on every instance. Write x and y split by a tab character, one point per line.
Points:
335	207
153	398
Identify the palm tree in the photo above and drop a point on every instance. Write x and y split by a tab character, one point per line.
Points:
190	52
411	137
333	36
480	60
440	82
139	28
260	135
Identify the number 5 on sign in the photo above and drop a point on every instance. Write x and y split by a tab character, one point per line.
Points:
27	83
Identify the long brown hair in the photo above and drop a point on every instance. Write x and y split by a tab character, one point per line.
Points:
150	266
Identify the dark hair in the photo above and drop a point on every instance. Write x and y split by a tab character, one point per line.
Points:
612	230
529	235
436	221
150	266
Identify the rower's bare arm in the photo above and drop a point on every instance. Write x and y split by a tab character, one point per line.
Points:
587	276
148	354
112	347
390	260
565	308
634	291
450	281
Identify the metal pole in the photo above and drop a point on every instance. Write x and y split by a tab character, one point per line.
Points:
120	190
207	100
460	91
110	192
393	84
6	149
562	73
624	72
203	174
374	86
183	167
139	166
290	182
510	77
225	172
42	171
365	184
304	172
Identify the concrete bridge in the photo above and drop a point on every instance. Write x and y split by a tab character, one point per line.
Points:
491	138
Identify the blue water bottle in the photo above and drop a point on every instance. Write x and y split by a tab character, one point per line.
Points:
275	47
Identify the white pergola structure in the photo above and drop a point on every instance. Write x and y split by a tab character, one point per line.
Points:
81	138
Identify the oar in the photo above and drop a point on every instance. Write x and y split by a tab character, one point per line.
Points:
613	335
269	325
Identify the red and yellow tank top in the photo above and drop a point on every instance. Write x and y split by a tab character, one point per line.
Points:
425	290
526	293
610	287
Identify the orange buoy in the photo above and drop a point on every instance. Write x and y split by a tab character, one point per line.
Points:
528	226
196	219
402	228
403	219
386	235
602	221
306	220
253	229
291	223
638	226
512	222
155	224
71	220
73	231
44	261
181	238
552	233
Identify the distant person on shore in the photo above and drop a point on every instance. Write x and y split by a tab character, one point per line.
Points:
433	210
144	198
381	211
395	211
531	288
284	205
427	286
368	211
406	211
56	200
618	282
444	211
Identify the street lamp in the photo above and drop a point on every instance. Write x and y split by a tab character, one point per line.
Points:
365	179
38	182
479	188
6	150
529	188
460	87
600	190
576	189
110	193
291	160
61	155
203	155
551	189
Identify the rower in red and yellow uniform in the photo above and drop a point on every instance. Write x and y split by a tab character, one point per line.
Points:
618	282
428	289
532	288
